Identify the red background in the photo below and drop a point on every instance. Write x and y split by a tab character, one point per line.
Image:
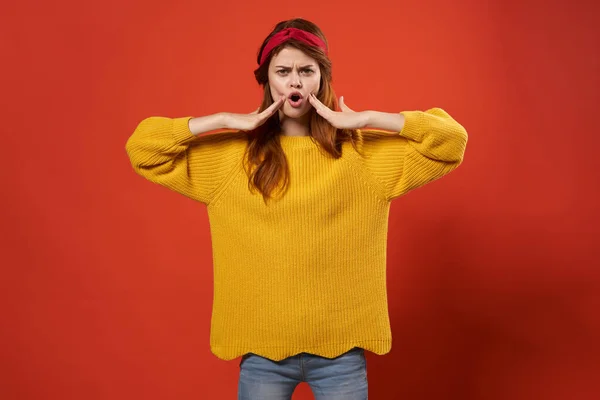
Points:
106	279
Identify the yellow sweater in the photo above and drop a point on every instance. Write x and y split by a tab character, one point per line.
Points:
306	273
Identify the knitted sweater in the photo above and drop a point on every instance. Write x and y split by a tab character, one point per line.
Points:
307	272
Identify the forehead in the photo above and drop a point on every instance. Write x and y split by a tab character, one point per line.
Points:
290	56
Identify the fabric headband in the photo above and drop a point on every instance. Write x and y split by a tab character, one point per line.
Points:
291	33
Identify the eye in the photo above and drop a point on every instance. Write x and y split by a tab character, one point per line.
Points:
282	72
308	71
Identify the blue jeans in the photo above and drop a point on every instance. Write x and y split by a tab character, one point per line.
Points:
343	377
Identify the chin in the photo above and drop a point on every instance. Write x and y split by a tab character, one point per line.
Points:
295	112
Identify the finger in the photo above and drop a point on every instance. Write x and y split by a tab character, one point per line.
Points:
343	105
273	107
313	99
316	103
321	108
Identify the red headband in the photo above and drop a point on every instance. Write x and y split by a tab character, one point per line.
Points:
291	33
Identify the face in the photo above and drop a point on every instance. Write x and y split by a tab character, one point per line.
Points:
295	75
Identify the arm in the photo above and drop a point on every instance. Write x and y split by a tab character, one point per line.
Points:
207	125
166	151
421	146
433	133
187	154
393	122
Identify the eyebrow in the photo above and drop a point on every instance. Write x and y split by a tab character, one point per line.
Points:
302	66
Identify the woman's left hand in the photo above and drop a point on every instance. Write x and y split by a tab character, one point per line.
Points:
345	119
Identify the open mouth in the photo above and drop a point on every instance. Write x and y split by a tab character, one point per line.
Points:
295	99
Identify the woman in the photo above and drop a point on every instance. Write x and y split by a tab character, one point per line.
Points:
298	196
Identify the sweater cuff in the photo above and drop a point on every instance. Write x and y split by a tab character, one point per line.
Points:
181	130
413	126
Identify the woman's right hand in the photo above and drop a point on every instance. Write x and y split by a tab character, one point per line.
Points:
248	122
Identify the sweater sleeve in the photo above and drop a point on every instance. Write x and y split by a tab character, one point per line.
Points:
430	145
164	151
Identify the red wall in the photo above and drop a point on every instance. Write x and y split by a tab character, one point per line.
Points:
106	279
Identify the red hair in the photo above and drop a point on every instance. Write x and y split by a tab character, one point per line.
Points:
265	161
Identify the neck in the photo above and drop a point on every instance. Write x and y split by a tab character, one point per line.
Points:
294	126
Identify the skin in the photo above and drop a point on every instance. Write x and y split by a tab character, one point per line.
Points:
292	70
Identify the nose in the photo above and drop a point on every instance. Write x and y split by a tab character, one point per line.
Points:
295	81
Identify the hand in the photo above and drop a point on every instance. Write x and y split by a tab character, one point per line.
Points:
345	119
248	122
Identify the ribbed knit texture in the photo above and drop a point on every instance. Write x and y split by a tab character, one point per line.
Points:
307	272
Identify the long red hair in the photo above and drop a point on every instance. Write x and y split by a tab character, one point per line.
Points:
265	161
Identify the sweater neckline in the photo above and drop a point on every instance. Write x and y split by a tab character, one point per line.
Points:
294	142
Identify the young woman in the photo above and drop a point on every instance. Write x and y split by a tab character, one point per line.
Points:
298	195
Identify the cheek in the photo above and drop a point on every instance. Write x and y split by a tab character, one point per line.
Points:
316	83
316	80
272	90
276	87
